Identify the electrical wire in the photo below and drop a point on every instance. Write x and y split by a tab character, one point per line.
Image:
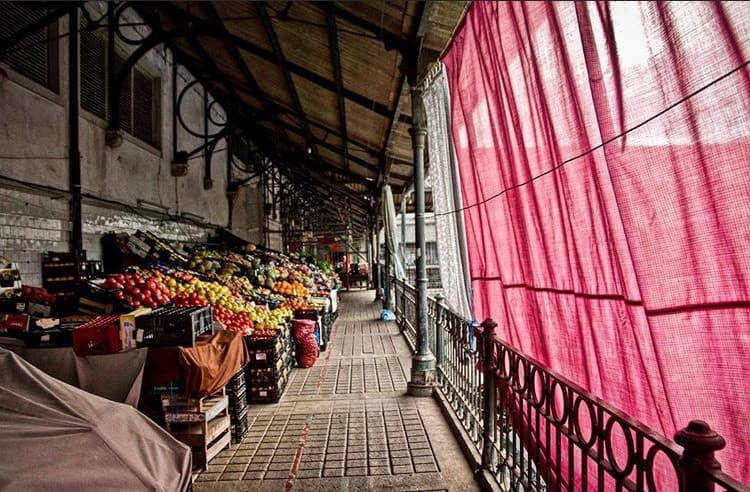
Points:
603	144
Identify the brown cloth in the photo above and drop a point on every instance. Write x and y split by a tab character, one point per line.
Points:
210	365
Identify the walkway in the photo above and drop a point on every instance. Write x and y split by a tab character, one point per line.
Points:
346	424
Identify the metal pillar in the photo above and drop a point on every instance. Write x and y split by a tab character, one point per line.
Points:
403	232
423	362
74	155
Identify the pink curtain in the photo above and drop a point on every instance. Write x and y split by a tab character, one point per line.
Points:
624	266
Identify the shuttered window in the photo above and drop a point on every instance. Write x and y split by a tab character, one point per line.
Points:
145	107
139	95
35	56
126	96
93	73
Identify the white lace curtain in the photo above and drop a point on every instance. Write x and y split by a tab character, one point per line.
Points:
446	194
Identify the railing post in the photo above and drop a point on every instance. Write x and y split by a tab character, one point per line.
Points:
439	334
700	442
486	334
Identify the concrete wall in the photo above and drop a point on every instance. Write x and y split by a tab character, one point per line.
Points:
34	149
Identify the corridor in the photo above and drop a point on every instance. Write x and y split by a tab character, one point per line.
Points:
346	424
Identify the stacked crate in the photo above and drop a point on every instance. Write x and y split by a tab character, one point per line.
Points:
173	326
271	359
61	277
201	423
237	393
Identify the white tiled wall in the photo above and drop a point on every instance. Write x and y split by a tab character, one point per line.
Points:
31	224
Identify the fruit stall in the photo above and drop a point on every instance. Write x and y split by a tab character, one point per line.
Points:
190	337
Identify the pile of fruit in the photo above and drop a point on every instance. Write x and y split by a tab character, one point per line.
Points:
239	322
296	304
291	288
138	290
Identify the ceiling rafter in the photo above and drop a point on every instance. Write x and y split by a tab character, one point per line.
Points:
390	39
281	61
333	43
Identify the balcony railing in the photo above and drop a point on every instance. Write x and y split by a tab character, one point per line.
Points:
538	431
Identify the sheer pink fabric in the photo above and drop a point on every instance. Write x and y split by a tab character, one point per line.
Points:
625	268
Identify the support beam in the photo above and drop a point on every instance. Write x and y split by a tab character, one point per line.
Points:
390	39
410	66
333	42
423	363
74	154
281	61
200	27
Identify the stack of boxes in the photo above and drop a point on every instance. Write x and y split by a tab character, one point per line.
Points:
267	372
237	393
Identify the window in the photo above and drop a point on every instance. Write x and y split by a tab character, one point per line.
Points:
139	96
93	61
431	253
36	56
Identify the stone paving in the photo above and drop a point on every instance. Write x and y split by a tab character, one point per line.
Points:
346	424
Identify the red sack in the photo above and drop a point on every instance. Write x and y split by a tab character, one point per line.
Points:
307	347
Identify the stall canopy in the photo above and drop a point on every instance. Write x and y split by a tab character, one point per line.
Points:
57	437
603	150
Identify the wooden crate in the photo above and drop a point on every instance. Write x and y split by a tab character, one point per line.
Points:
201	423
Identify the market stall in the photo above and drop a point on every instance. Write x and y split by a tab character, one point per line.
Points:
190	338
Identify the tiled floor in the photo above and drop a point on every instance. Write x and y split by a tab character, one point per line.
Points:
346	424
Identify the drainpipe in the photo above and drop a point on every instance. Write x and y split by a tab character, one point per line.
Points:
76	217
423	362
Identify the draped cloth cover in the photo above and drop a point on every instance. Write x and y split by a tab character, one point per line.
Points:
389	221
603	151
446	194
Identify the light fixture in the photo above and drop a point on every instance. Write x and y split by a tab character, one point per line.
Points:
369	178
189	216
153	207
179	164
309	150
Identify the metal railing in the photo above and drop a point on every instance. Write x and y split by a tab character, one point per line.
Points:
538	431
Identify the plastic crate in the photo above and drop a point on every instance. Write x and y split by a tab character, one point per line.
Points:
237	382
61	336
268	375
97	337
173	326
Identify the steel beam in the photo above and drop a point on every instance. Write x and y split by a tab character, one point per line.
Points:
390	39
333	42
281	61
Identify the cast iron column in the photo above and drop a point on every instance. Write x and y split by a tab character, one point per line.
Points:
403	232
423	362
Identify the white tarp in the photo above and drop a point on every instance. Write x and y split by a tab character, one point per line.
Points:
57	437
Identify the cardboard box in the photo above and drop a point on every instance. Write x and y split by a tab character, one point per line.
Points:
38	310
127	327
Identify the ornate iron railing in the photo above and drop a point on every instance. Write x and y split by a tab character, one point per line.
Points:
405	303
538	431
